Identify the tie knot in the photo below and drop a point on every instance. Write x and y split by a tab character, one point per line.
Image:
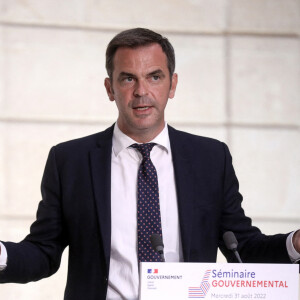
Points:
144	149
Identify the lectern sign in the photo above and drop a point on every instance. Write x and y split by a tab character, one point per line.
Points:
218	281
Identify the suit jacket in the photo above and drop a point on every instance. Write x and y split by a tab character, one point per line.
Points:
75	212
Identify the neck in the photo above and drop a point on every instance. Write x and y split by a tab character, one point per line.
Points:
142	135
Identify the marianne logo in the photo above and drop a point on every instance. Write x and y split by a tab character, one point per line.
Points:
202	290
152	271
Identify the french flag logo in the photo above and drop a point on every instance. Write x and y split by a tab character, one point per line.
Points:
152	271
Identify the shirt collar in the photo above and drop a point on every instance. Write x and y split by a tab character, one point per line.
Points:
121	141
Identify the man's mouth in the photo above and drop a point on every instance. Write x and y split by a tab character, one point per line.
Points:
142	108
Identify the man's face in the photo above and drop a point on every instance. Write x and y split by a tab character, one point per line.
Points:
141	86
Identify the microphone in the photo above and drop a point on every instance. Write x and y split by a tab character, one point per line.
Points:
157	245
231	244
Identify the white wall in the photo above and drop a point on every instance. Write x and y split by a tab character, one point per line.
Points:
239	81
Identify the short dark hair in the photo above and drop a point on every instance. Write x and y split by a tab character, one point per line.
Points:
134	38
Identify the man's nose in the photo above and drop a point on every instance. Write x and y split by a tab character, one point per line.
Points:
141	89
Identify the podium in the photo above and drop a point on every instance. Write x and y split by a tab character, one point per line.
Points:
164	281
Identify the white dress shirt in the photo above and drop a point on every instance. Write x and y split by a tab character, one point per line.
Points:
3	257
123	281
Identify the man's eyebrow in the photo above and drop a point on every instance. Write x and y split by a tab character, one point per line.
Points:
125	74
156	72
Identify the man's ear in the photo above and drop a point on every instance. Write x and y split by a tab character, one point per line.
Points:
173	85
109	89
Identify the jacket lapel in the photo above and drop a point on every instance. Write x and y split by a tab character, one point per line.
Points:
185	184
101	177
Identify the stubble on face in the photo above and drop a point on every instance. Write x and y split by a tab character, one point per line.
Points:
144	121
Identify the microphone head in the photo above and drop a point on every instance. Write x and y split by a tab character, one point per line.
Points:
157	243
230	240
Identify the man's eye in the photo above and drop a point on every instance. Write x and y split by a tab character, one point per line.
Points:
128	79
155	77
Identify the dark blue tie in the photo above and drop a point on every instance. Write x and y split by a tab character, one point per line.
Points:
148	210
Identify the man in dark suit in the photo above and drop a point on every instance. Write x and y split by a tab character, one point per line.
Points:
89	189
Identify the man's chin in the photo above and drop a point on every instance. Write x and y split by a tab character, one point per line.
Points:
146	124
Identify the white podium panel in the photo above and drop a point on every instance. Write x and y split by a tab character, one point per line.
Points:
161	281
